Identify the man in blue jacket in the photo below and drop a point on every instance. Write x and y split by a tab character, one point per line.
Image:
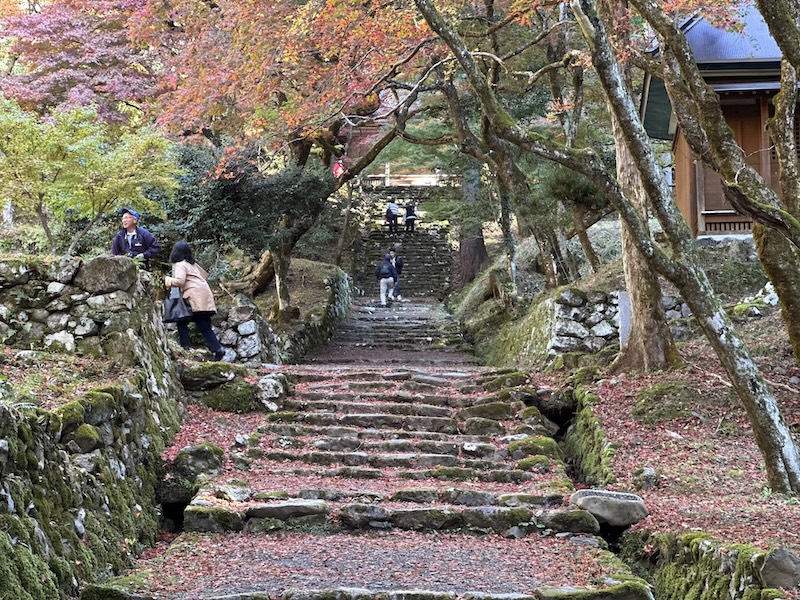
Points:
387	276
134	241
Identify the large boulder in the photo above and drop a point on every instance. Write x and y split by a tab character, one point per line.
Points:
612	508
106	274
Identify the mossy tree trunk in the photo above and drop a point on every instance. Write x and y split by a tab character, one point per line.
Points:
779	257
650	346
578	214
472	254
781	262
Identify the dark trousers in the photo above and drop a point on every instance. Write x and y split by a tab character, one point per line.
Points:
410	225
392	223
203	322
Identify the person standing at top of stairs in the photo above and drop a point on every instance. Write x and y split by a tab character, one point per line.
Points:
411	217
392	212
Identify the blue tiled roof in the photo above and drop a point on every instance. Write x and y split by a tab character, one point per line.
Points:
712	45
751	53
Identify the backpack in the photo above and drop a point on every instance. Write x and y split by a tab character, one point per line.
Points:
389	214
384	271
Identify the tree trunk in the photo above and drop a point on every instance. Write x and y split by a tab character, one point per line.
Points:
583	238
649	346
772	435
781	263
43	221
508	235
348	215
472	254
779	257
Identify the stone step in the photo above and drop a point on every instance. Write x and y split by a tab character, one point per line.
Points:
342	406
361	434
399	397
339	354
381	460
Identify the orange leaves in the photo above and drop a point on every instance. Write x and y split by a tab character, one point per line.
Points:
279	64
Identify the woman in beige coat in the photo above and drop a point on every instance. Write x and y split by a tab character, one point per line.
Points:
191	279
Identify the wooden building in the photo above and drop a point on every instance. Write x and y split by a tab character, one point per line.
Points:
743	68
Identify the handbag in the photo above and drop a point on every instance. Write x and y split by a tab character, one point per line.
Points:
176	309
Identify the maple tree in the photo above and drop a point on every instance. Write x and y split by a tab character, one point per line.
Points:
74	53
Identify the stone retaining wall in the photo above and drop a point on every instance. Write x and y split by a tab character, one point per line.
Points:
77	482
573	328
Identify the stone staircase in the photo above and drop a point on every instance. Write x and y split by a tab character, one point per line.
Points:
408	333
427	253
397	469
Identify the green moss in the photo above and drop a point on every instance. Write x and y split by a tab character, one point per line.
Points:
537	445
530	413
508	380
665	401
87	437
587	446
537	463
24	576
235	397
490	410
71	414
584	375
212	519
453	473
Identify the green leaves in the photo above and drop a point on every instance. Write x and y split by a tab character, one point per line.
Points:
71	160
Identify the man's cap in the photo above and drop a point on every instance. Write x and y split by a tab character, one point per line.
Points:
131	212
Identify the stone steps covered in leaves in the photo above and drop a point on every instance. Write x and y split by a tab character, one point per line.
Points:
357	441
381	474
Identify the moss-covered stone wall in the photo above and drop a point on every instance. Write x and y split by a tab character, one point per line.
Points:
321	328
77	482
695	567
586	444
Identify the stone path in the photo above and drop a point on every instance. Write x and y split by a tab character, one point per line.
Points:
398	468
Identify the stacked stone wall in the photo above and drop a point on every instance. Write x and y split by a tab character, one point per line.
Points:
77	482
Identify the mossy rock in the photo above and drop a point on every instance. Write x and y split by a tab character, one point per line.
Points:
665	401
514	379
530	414
584	375
533	446
569	521
100	406
536	464
200	458
71	414
481	426
234	397
87	437
490	410
104	592
209	375
630	590
212	519
453	474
